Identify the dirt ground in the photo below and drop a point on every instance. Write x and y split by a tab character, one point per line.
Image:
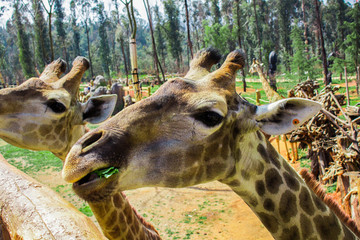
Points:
206	211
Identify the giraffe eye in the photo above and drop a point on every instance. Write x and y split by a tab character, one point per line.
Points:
55	106
209	118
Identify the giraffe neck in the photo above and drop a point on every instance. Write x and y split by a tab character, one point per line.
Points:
270	93
277	194
120	221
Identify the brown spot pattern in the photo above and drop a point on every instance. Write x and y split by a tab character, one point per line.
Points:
306	202
269	222
327	227
306	226
273	180
260	187
287	206
269	205
291	182
290	234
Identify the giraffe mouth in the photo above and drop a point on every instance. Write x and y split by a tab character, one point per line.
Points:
91	177
97	175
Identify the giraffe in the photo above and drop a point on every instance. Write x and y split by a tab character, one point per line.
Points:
44	113
273	96
197	130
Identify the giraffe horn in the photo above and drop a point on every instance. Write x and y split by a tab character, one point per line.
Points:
71	81
201	64
225	75
53	71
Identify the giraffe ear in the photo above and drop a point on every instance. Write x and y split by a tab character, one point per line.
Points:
98	109
285	115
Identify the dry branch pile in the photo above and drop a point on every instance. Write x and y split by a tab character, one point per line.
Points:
333	142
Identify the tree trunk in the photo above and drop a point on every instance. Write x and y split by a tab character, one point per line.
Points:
125	60
51	40
322	45
30	210
188	30
155	55
88	45
305	31
257	30
238	24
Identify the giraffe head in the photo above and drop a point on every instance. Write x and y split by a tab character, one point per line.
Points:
255	66
184	134
44	113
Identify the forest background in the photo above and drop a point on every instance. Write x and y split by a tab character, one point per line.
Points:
34	32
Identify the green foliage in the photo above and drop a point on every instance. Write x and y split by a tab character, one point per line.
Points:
40	32
90	30
59	22
353	39
86	210
107	172
23	43
172	26
216	36
300	65
104	49
75	29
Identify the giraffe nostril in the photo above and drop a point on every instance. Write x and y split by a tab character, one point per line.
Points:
91	140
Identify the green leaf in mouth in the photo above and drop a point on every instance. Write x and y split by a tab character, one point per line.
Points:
106	172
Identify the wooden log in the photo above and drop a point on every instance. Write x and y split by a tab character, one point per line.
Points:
347	88
30	210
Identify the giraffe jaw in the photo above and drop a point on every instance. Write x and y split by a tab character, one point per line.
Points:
92	187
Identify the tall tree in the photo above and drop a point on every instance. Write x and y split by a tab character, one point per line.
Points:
23	43
104	49
306	41
353	39
120	37
75	30
285	14
188	29
159	36
173	34
60	30
257	29
49	11
215	11
155	55
41	38
86	6
323	51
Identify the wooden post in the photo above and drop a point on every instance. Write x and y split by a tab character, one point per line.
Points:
357	79
284	138
347	87
258	97
278	143
134	70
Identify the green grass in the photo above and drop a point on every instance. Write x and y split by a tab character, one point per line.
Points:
30	161
331	188
85	209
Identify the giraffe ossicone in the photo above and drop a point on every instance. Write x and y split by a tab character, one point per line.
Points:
197	130
44	113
